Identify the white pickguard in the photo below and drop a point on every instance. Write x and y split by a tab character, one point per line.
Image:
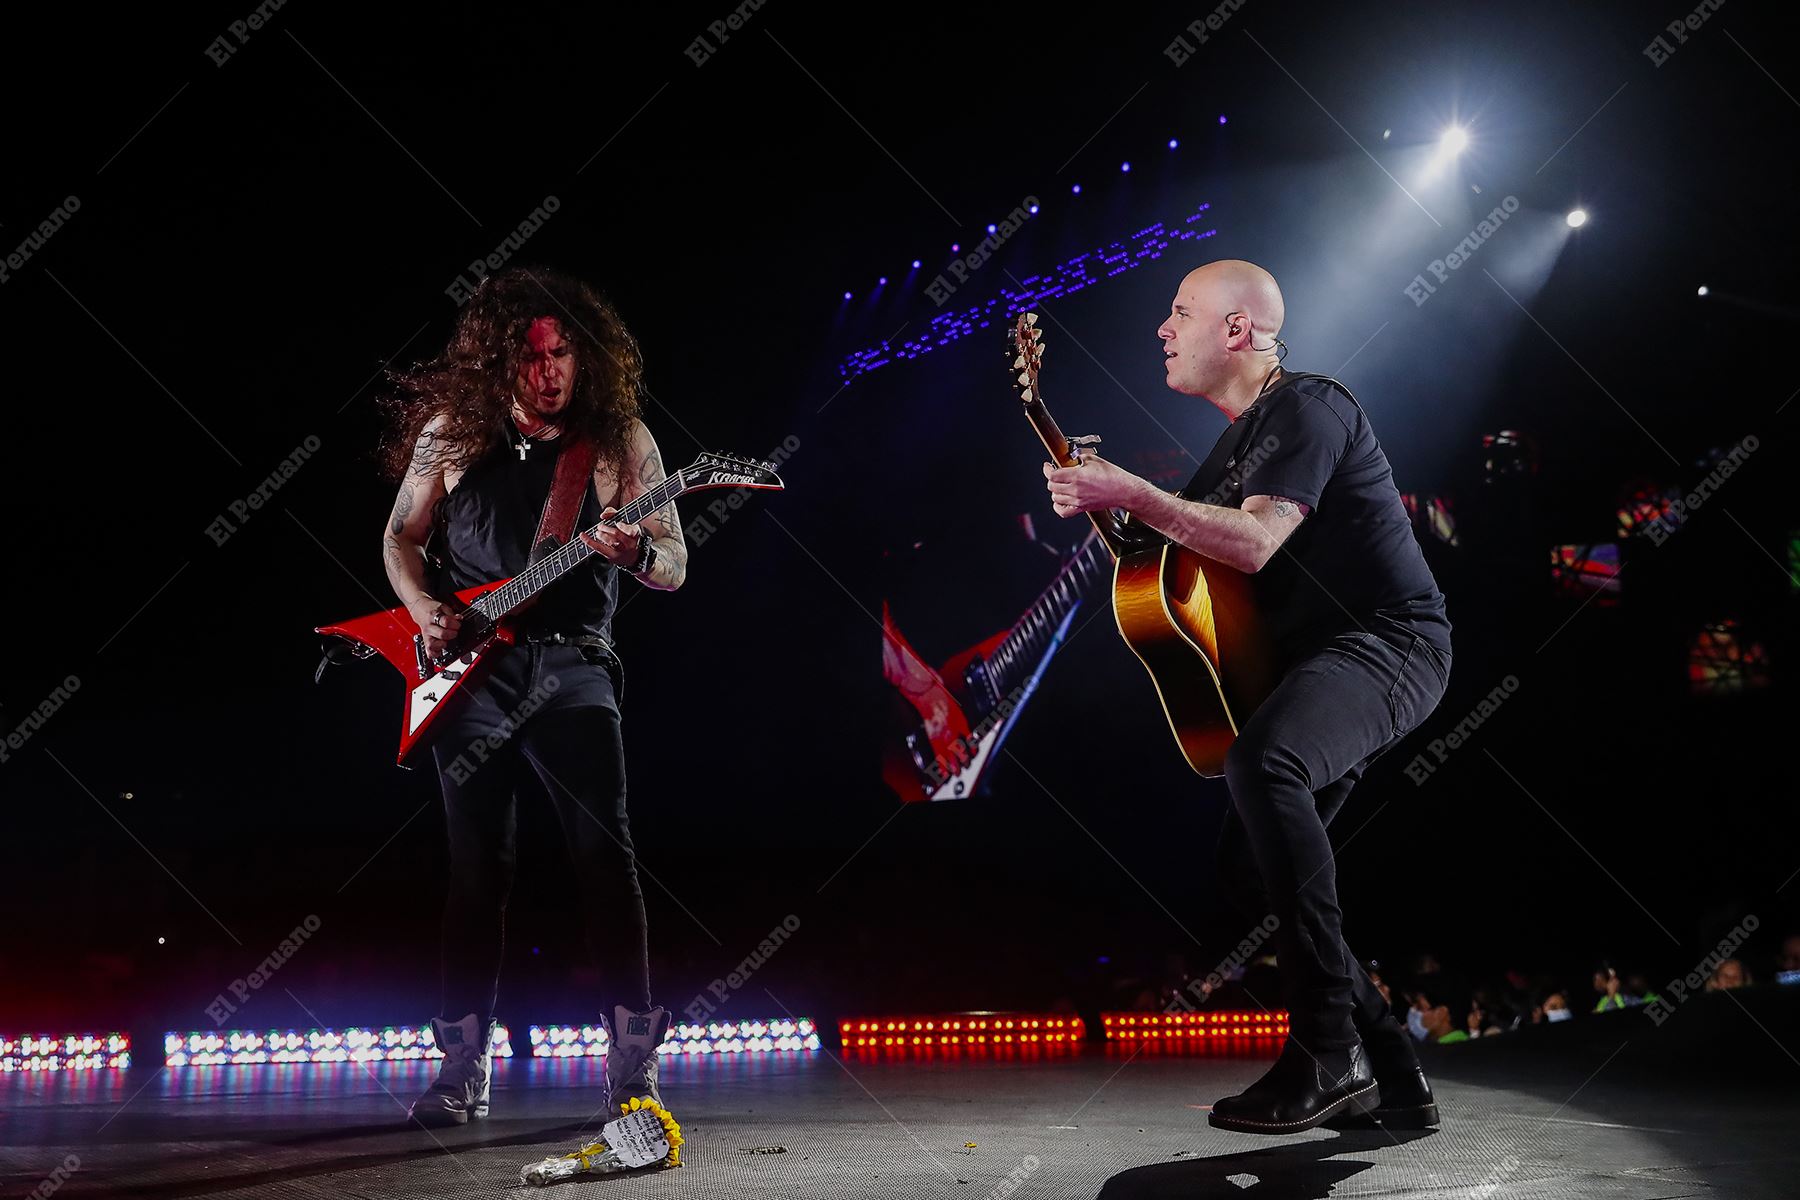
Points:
424	699
963	782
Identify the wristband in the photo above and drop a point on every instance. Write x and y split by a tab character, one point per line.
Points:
646	557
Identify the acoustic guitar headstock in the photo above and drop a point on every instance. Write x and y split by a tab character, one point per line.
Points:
1027	354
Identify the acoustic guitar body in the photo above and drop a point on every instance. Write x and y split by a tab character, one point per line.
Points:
1192	623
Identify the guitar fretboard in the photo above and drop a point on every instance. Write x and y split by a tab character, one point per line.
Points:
547	570
1012	662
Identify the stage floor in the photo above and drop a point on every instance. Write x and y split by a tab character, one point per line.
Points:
1078	1122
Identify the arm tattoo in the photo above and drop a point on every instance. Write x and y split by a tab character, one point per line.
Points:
652	472
403	507
1285	507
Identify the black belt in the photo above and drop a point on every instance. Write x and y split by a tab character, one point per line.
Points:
557	638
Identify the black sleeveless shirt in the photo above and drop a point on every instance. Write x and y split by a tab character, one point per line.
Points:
483	529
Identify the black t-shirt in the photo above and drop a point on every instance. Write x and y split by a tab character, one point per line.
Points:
1354	559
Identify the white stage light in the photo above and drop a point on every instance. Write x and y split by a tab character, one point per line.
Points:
1454	141
1577	218
1703	289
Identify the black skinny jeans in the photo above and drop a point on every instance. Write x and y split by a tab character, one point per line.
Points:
1290	771
550	709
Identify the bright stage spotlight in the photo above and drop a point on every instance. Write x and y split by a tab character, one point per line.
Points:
1703	290
1450	145
1577	218
1173	143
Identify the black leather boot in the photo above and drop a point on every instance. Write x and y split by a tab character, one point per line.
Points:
1301	1090
1406	1099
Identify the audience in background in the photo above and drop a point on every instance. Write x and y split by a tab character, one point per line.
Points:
1731	973
1614	995
1436	1005
1551	1008
1787	963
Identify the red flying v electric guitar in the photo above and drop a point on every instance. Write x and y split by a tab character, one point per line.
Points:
487	611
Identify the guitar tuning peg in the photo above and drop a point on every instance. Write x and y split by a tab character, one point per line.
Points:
1025	395
1024	379
1031	318
1019	362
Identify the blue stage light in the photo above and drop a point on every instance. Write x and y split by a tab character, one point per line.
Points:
1173	143
1033	210
846	295
1125	166
993	229
1221	118
916	264
1076	189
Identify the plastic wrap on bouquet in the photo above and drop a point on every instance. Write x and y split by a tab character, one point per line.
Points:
645	1135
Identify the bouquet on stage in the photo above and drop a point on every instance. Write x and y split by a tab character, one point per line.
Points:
645	1135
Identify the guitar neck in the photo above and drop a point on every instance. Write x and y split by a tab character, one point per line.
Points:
522	587
1032	635
1063	455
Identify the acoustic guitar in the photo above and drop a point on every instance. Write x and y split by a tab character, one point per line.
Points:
1189	619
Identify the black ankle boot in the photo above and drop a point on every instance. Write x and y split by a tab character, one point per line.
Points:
1406	1099
1301	1090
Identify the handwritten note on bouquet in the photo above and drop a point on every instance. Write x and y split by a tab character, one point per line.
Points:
637	1138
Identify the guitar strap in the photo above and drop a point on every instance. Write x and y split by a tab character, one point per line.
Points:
562	507
1253	426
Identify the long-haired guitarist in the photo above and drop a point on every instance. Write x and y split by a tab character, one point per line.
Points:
539	365
1298	494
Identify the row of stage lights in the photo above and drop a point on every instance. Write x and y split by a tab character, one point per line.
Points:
1074	190
76	1052
402	1043
1450	146
1014	1030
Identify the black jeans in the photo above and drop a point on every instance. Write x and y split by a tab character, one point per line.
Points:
551	709
1290	771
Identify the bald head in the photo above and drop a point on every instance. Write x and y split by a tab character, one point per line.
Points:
1233	285
1219	339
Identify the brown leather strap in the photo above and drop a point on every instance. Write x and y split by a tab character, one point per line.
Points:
568	487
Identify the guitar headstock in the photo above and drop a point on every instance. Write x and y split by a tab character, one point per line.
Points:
1027	354
712	470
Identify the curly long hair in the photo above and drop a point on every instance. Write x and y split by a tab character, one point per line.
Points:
470	384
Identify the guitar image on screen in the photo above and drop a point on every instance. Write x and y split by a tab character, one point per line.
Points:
967	706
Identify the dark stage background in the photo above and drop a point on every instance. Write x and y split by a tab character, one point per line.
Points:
256	238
